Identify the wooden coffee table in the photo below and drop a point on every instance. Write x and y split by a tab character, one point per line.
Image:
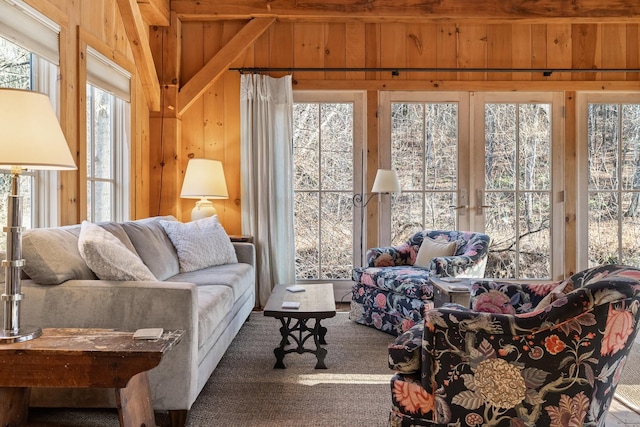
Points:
82	358
316	302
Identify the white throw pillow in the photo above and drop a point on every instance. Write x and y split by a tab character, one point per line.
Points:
108	257
430	249
201	243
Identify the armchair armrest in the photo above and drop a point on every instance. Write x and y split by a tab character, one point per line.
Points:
522	297
389	256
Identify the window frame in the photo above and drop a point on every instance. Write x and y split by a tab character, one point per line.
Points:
583	99
116	80
359	149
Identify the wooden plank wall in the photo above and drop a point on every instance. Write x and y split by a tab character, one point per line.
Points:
211	126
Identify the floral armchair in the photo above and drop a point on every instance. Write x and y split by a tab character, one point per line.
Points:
557	364
392	294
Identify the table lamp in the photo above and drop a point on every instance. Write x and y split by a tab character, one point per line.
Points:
204	180
30	138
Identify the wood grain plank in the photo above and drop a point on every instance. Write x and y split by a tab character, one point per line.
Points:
281	52
521	50
447	50
232	207
633	50
539	50
335	49
559	44
585	50
499	50
393	51
614	50
355	39
308	49
472	50
372	50
421	49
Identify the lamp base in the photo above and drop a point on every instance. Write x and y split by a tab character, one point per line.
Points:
203	209
25	333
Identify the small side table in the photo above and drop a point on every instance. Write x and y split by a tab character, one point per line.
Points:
82	358
451	289
316	302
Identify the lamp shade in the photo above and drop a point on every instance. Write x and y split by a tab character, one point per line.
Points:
204	178
386	182
30	136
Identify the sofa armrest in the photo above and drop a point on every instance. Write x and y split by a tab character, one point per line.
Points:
246	252
127	306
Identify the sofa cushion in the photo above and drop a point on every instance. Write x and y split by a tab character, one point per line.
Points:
201	243
214	303
406	280
51	255
239	277
430	249
153	245
108	257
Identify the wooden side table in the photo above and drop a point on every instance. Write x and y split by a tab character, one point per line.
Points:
316	302
451	289
82	358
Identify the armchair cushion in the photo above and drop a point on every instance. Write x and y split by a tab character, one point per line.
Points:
410	282
431	248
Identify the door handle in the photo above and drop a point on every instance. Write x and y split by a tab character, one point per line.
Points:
481	203
462	198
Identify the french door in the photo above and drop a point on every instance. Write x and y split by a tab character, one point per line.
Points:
480	162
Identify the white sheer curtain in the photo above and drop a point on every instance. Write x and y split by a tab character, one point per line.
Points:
266	108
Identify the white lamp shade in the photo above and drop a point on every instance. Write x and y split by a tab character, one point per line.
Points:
30	135
386	182
204	178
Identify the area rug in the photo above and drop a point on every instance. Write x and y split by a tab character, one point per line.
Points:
245	389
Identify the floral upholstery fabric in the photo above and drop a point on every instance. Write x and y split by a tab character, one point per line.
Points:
391	294
556	365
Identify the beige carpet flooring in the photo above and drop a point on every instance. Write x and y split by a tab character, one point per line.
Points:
245	390
628	390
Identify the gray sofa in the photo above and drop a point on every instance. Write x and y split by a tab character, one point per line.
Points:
210	305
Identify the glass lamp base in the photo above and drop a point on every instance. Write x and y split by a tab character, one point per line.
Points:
25	333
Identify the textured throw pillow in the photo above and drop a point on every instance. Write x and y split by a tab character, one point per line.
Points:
108	257
430	249
51	255
200	244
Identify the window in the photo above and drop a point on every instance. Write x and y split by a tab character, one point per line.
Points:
424	140
29	60
610	147
494	177
327	136
108	124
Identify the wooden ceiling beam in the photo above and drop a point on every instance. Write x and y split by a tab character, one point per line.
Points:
217	65
155	12
138	35
413	10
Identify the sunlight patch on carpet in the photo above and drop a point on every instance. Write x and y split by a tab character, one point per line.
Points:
315	379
